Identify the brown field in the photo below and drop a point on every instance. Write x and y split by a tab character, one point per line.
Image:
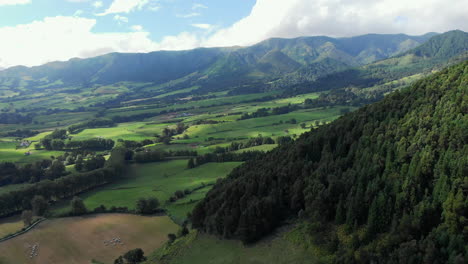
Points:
78	240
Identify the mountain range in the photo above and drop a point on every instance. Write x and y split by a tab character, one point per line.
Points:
268	58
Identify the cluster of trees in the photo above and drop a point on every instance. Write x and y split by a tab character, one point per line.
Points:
179	194
54	140
20	133
77	206
11	173
262	112
92	162
88	144
95	123
133	256
223	157
157	155
168	133
63	187
258	141
147	205
393	174
131	144
16	118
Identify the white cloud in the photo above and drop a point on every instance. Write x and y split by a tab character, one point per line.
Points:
292	18
14	2
78	12
198	6
154	7
193	14
62	38
124	6
202	26
97	4
137	28
121	19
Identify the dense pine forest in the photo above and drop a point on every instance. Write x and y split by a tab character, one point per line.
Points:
392	175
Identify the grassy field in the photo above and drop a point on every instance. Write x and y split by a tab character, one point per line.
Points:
137	131
161	180
267	126
58	240
202	248
10	226
78	240
8	152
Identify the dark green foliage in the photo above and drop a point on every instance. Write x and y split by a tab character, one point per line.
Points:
63	187
77	206
191	163
397	168
443	46
20	133
73	129
147	206
39	205
171	237
262	112
11	173
258	141
227	157
133	256
119	260
283	140
15	118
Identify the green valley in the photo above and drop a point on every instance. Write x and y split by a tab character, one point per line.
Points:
302	150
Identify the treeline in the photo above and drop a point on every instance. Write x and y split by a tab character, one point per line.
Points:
95	123
20	133
64	187
156	155
10	173
258	141
58	140
392	174
16	118
262	112
223	157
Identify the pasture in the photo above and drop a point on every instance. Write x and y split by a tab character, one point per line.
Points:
8	152
202	248
78	240
161	180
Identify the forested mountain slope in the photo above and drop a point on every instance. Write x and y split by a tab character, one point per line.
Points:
266	59
393	175
438	52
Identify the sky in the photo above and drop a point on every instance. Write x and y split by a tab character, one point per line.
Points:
34	32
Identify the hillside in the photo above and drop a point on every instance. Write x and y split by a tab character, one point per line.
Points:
284	55
385	184
388	74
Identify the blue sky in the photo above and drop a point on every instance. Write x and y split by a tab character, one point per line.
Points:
161	18
33	32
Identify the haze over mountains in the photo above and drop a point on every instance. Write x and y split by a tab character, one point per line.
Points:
273	56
